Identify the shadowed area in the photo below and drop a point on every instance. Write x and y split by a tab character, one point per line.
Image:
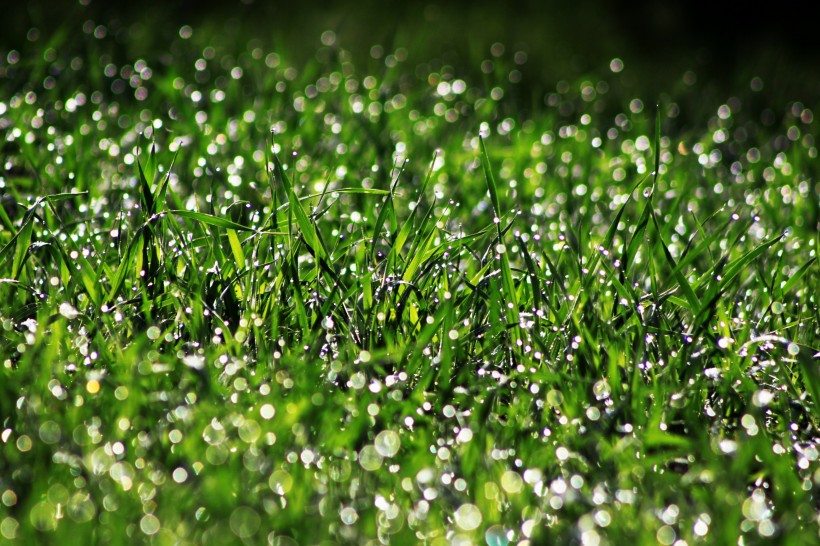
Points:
725	44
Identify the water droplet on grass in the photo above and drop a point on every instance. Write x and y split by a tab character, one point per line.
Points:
50	432
280	482
387	443
245	522
666	535
80	508
149	524
370	459
348	515
68	311
601	389
554	398
267	411
250	431
194	361
728	446
496	536
762	398
93	386
180	475
468	517
511	482
464	436
43	516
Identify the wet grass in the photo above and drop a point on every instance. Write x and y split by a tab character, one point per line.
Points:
245	301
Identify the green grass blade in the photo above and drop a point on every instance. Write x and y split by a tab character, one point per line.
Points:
657	147
307	228
387	210
146	194
236	249
417	258
210	220
125	263
89	279
808	360
631	249
511	309
683	282
796	277
162	187
408	225
21	249
532	271
490	179
734	268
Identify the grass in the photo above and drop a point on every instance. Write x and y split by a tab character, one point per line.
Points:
248	302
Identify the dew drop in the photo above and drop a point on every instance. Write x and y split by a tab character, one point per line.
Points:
370	459
149	524
267	411
387	443
496	536
68	311
348	515
468	517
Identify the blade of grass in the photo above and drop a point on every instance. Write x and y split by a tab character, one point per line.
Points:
796	277
631	249
146	195
734	268
511	308
125	263
236	249
387	210
307	227
21	248
532	271
408	226
162	187
210	220
689	294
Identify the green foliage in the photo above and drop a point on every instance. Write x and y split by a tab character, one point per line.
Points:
421	314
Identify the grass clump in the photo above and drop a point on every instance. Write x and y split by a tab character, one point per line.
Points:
250	302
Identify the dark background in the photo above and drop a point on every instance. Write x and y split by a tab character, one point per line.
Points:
723	43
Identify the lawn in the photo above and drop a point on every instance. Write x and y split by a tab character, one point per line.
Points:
279	290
